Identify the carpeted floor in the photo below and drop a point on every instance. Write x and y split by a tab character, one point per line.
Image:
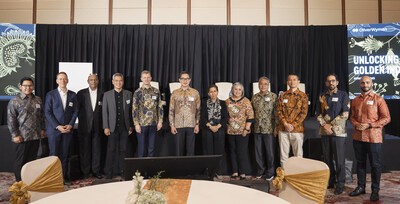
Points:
390	188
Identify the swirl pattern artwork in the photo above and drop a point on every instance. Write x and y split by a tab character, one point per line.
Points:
17	56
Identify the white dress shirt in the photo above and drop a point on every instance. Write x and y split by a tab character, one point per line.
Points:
93	97
63	97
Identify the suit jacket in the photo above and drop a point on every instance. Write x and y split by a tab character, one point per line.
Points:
87	116
56	115
110	110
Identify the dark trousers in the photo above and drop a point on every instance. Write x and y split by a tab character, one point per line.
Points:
24	153
90	152
59	145
116	152
238	149
333	150
214	143
185	138
362	150
265	162
146	141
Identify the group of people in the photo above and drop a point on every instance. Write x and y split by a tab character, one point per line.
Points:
117	112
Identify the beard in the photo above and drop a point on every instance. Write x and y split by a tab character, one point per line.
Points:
366	89
332	88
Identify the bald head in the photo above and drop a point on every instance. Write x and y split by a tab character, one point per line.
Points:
365	83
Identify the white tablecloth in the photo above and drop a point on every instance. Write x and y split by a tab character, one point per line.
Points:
200	192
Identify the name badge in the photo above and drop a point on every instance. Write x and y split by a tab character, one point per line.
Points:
285	100
370	102
154	97
335	99
191	98
71	104
267	99
37	105
128	101
100	103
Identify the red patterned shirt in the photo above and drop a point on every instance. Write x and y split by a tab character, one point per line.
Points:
371	109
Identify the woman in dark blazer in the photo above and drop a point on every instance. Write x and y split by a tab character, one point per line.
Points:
213	118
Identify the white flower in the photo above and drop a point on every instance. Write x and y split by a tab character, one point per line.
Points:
132	197
151	197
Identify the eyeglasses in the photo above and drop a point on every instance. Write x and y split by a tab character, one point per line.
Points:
185	79
30	86
330	81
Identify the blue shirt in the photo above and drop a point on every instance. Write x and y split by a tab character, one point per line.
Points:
333	109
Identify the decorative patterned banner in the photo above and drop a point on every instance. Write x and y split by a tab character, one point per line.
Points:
17	56
374	51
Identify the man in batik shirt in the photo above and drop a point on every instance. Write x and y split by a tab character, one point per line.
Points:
184	115
147	113
292	110
369	113
265	128
332	114
25	121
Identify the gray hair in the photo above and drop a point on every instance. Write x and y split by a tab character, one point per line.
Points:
237	84
93	74
117	74
263	77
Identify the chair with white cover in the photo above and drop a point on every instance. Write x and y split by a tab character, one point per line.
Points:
43	175
173	86
296	166
152	83
224	88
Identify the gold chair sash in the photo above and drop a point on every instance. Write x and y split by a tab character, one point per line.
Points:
310	184
20	190
51	180
177	191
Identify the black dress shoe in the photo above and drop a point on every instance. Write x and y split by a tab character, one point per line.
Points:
358	191
338	190
98	176
67	183
374	196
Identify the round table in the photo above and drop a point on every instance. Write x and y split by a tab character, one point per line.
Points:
200	192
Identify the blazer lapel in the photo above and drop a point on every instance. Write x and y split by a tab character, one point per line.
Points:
112	101
87	96
59	99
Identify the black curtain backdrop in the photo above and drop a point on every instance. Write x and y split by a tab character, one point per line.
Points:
210	53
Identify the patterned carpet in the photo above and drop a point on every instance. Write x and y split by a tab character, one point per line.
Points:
390	188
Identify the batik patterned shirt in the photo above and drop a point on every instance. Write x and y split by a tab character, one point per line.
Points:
240	112
147	108
370	109
184	108
25	117
292	108
334	110
265	116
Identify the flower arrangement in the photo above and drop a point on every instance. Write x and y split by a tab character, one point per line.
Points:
153	195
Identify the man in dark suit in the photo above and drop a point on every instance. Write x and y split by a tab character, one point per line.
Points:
89	127
61	110
117	124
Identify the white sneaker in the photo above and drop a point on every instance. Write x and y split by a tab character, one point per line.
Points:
270	179
258	177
